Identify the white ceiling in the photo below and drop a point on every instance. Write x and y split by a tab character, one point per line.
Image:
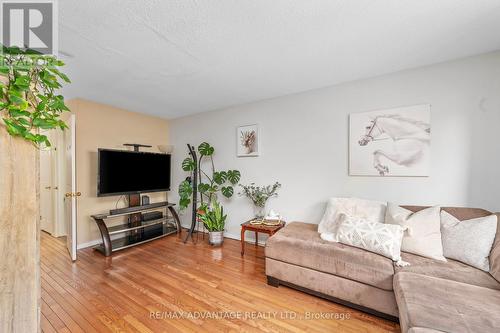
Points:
178	57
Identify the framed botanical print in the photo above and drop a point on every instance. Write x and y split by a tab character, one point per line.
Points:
247	140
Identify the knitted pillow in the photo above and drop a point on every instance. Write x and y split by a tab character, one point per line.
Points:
468	241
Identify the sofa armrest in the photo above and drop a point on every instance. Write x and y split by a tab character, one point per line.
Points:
495	253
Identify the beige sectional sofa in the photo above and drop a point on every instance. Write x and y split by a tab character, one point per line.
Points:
426	296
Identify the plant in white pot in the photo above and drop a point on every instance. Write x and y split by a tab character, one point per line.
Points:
214	220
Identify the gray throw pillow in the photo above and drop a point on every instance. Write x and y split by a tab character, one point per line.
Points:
468	241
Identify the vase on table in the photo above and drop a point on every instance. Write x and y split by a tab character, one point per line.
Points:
260	211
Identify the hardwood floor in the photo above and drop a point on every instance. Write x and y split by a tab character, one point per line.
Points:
136	290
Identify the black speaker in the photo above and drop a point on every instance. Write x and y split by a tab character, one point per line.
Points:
152	216
145	200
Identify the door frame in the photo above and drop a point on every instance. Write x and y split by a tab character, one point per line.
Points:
71	240
59	228
60	225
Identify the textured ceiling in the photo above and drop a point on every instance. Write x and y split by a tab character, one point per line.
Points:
178	57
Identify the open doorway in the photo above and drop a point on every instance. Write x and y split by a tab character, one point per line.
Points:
51	198
58	186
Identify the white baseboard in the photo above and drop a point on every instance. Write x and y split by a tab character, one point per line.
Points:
95	242
88	244
236	237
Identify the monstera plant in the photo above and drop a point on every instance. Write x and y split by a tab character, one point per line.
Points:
209	182
28	98
206	183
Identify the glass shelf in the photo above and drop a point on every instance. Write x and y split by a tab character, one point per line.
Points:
118	229
135	237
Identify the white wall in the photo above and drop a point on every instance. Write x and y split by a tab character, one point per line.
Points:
304	141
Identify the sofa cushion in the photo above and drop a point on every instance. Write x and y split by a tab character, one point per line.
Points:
450	270
462	214
300	244
445	305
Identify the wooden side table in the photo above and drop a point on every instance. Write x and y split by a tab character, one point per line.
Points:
266	229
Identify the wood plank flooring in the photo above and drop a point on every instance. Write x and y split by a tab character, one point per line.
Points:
168	286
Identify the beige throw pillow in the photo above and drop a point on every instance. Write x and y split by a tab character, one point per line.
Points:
423	234
367	209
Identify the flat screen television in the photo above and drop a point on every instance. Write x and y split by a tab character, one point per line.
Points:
129	172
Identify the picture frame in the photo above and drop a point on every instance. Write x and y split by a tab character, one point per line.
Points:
391	142
248	140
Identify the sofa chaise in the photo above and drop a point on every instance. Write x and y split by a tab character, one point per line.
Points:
426	296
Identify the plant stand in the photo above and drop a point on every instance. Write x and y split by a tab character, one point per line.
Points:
194	183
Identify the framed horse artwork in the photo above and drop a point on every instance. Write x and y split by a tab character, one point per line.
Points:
392	142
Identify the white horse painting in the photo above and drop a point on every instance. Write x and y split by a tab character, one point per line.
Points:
395	142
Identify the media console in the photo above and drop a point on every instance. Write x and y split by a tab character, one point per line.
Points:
137	230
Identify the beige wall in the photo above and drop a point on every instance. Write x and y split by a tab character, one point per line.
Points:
104	126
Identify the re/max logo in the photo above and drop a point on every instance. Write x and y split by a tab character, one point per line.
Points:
29	25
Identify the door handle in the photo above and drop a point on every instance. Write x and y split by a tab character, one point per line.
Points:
47	187
78	194
68	195
56	188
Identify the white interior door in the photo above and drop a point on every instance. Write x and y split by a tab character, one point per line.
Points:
70	186
46	191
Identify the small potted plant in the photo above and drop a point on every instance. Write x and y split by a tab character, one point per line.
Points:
214	220
259	196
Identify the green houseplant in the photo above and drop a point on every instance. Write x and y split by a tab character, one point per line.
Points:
204	183
214	220
209	182
28	94
259	196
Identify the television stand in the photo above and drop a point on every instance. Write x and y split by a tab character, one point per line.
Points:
136	230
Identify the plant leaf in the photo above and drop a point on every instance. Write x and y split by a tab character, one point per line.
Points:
220	177
203	188
205	149
233	176
227	191
185	189
13	128
184	202
188	164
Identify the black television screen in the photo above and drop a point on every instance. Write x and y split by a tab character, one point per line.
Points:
128	172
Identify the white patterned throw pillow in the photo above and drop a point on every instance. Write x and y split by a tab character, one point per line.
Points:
380	238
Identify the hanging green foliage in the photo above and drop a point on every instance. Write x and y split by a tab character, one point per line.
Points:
29	101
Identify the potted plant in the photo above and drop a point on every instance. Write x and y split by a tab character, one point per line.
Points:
204	182
259	196
214	220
